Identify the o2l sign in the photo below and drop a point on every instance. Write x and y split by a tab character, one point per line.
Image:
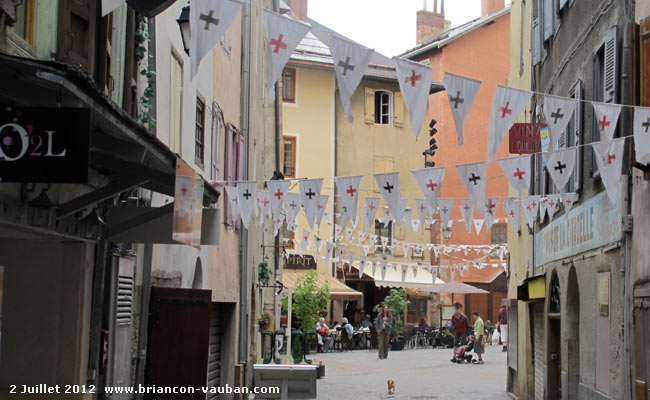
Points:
44	145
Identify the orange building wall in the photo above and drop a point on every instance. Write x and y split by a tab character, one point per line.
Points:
481	54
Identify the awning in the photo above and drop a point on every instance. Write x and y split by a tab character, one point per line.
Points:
338	290
454	288
532	289
393	278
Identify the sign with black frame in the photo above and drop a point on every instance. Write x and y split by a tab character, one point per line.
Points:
44	145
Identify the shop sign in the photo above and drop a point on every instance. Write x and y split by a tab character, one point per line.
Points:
296	261
44	145
525	138
591	225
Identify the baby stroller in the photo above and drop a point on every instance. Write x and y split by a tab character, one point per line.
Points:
462	352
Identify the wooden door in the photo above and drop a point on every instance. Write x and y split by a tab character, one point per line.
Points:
554	385
179	338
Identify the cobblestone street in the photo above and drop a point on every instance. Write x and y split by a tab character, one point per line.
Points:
418	374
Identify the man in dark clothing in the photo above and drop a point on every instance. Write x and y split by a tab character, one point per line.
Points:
460	325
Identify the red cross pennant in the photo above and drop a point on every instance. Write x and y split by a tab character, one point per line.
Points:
422	207
265	202
528	208
413	78
184	189
610	157
604	123
467	207
505	110
371	206
432	185
490	206
278	194
534	204
278	43
351	191
519	174
512	214
568	201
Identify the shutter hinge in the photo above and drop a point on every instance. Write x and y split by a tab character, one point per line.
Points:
628	223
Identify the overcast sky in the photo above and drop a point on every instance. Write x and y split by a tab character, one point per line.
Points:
387	26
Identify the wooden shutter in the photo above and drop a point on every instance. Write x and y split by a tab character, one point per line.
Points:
556	16
610	66
577	133
536	33
547	12
644	64
76	28
563	3
370	106
227	173
398	109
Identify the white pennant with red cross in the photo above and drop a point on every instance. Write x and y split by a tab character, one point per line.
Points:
461	92
606	120
609	165
429	180
278	191
366	248
233	202
422	207
467	210
348	188
489	211
507	104
560	164
552	205
329	249
278	219
558	111
321	207
642	134
512	207
370	211
305	241
415	83
264	205
282	37
569	200
531	208
517	169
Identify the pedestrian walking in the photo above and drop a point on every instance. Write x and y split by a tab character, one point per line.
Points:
502	327
479	334
460	326
384	326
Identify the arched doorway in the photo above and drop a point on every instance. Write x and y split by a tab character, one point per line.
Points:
553	361
197	281
573	333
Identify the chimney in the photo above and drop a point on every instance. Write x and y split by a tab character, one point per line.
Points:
490	6
299	8
430	23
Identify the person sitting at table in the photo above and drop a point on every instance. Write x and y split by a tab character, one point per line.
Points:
348	327
336	325
423	323
366	323
324	339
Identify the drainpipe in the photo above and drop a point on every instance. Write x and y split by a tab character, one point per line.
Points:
243	233
276	247
626	98
143	329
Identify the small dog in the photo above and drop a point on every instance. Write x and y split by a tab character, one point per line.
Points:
391	386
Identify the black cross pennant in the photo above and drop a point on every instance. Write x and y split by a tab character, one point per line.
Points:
560	167
209	19
456	99
556	115
474	179
346	65
247	194
646	125
389	188
310	194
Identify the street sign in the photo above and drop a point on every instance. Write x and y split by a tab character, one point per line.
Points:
44	145
525	138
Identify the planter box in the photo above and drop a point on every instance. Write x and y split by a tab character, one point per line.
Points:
397	345
320	372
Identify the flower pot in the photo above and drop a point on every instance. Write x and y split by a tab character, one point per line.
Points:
397	345
320	371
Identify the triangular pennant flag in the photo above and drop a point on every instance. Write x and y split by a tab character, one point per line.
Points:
569	200
305	240
517	169
543	206
348	187
606	120
552	205
531	208
474	177
513	211
415	269
429	180
384	241
278	190
350	63
461	92
209	21
507	104
361	236
246	196
264	205
278	219
609	165
321	207
366	249
399	218
384	268
560	165
559	111
467	209
642	134
408	217
404	272
318	243
445	206
415	225
405	248
490	211
350	261
282	37
478	224
108	6
362	266
348	234
329	251
423	209
414	83
292	204
233	202
370	210
388	185
310	191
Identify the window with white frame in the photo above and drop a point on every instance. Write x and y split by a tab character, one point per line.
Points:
383	107
217	126
232	165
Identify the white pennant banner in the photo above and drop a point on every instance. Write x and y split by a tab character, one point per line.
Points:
283	35
560	166
209	21
277	224
489	211
264	205
305	240
429	180
517	169
246	194
233	202
609	165
292	204
321	207
569	200
310	191
461	92
362	266
467	209
445	206
278	191
606	120
512	207
329	249
559	111
543	207
370	211
474	177
348	187
350	63
422	206
552	205
414	83
531	208
507	104
642	134
388	185
478	224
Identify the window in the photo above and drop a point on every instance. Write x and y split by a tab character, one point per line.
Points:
417	252
572	137
176	103
199	132
289	85
412	307
24	26
217	126
499	233
232	164
287	237
383	230
383	107
289	156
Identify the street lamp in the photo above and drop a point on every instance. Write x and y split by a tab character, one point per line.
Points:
446	233
184	25
39	210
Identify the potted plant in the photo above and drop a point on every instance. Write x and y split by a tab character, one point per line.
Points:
264	320
397	304
263	273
